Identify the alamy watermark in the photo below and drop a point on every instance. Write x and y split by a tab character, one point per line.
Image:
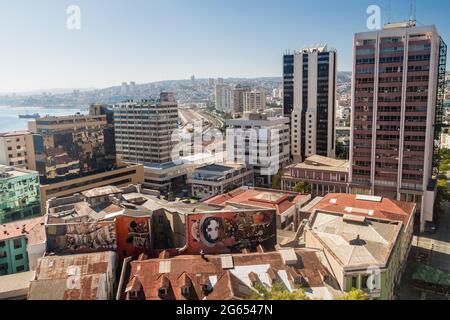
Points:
74	18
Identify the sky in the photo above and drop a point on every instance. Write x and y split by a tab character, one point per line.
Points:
154	40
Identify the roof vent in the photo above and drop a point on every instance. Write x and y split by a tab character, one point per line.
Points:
227	262
333	201
357	242
354	218
164	266
289	257
368	198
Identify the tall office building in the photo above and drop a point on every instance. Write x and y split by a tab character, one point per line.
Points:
223	97
288	84
143	130
398	84
313	116
255	101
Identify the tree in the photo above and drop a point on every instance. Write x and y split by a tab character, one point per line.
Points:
355	294
276	180
302	187
277	292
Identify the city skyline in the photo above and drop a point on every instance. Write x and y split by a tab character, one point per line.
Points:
118	42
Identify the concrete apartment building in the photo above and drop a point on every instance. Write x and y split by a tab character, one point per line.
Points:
255	101
314	103
259	142
324	175
397	106
366	240
223	96
75	153
237	102
210	180
16	149
144	134
19	194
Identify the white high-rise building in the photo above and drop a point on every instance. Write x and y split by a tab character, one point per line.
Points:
223	98
313	116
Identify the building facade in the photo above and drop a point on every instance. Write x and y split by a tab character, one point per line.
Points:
288	84
237	102
314	95
255	101
143	130
22	243
68	147
223	98
211	180
323	175
397	107
17	150
259	142
19	194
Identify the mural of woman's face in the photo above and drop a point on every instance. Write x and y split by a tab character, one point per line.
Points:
212	230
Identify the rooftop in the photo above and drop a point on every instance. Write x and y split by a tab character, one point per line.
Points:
262	198
103	191
93	270
374	207
228	276
356	242
32	229
317	162
15	285
7	172
14	134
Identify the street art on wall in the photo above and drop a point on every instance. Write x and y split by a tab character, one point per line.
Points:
81	237
227	232
133	236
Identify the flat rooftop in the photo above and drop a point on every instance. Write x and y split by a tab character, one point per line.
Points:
317	162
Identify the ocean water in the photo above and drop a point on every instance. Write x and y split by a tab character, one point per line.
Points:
9	116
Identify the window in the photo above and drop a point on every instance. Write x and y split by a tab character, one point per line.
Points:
20	268
19	257
3	267
2	244
355	282
3	255
364	281
17	243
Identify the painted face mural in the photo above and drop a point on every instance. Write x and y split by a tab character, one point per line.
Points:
230	231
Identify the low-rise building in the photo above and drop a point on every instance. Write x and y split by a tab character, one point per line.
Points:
228	277
89	276
286	204
17	149
324	175
365	239
22	243
214	179
19	194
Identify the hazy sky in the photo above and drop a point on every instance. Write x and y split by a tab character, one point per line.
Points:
152	40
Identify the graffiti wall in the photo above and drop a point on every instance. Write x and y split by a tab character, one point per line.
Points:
81	237
133	236
228	232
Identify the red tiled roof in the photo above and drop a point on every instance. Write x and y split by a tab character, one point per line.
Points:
249	197
195	271
386	209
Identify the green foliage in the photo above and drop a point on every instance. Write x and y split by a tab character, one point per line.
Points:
355	294
276	180
302	187
277	292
